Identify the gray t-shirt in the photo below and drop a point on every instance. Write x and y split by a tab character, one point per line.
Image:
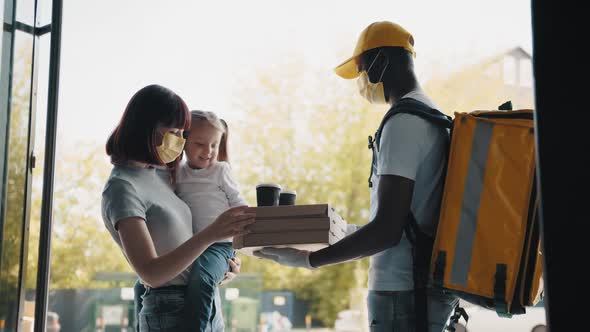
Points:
413	148
133	191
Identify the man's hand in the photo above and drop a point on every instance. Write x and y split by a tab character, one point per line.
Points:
286	256
234	269
351	228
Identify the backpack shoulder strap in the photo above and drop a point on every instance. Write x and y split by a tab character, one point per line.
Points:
418	108
408	106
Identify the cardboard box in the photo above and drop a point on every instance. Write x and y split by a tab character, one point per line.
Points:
290	224
307	227
309	210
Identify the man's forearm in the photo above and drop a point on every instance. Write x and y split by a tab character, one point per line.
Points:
383	232
367	241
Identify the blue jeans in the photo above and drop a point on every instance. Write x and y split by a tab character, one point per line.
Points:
162	309
394	311
207	272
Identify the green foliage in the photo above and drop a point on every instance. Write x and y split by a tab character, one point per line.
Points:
80	244
16	177
311	137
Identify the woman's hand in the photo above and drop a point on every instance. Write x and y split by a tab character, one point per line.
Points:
230	223
234	269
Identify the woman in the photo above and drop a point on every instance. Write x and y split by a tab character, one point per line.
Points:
145	217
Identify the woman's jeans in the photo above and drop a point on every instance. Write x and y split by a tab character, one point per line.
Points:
162	310
394	311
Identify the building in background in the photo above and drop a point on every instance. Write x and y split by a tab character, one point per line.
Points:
486	84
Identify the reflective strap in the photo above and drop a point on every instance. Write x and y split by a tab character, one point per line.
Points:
471	201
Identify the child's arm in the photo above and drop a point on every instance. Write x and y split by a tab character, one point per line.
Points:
231	187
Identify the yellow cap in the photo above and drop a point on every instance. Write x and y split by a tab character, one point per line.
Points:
378	34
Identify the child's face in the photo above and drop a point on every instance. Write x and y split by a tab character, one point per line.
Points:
202	145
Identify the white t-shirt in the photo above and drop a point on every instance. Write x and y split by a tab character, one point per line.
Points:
208	192
413	148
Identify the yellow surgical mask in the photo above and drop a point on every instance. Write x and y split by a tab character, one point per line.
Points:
373	92
171	147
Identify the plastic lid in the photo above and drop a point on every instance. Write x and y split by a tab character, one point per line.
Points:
288	191
268	184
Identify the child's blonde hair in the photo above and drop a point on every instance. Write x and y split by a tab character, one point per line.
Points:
212	118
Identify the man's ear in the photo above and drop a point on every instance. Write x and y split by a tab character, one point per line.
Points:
379	64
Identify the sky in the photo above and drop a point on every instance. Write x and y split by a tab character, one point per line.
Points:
110	49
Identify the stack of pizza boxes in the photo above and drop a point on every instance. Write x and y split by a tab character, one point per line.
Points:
307	227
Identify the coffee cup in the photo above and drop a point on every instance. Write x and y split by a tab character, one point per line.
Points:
267	194
287	197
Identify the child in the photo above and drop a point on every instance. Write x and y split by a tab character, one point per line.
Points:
205	183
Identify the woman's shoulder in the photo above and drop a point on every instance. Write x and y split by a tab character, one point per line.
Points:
118	183
122	179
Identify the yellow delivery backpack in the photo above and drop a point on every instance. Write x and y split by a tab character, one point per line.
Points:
486	249
487	246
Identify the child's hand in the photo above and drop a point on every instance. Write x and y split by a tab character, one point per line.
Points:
234	269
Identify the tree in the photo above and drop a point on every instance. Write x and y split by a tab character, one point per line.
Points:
309	133
80	245
16	171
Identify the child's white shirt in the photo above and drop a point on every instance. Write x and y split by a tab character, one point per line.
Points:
208	192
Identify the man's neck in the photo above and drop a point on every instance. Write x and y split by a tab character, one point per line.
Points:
397	94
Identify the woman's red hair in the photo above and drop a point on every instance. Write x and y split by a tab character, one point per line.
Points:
151	107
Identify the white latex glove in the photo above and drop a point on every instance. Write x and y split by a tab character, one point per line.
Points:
286	256
351	228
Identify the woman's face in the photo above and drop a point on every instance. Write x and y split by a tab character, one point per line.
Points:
161	131
202	145
169	143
